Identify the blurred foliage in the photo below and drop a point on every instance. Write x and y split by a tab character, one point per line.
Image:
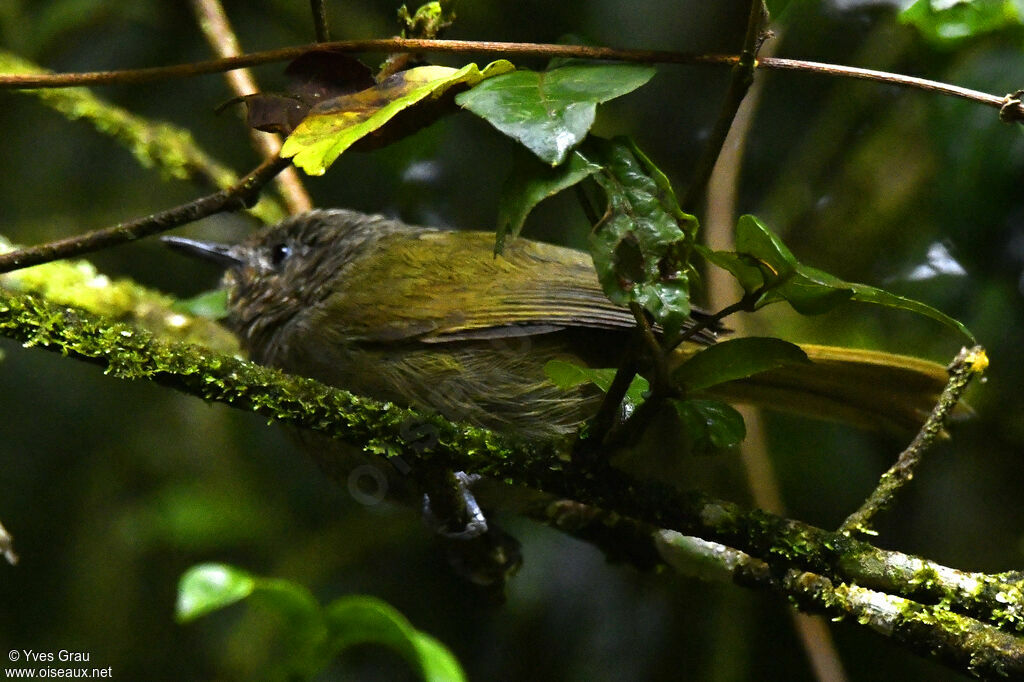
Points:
112	489
312	635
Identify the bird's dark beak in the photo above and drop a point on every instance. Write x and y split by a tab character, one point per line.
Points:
225	255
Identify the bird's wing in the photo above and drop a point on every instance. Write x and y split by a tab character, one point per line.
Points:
432	292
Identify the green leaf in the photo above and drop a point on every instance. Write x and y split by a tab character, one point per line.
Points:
947	23
665	194
770	255
567	375
744	268
530	184
212	305
736	359
361	620
810	291
313	636
776	8
209	587
869	294
763	263
550	112
334	125
640	249
709	425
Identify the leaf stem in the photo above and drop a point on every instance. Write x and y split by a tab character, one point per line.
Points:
745	304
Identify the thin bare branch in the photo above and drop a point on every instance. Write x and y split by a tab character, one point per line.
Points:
216	27
1010	106
740	81
320	26
235	196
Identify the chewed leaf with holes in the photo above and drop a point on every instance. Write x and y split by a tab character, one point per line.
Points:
336	124
641	248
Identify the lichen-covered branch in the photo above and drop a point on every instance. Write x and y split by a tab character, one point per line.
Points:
944	595
969	363
959	641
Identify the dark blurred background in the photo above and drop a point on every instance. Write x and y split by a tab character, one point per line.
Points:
113	489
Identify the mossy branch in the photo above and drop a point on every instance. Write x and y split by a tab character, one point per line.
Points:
959	641
975	617
167	148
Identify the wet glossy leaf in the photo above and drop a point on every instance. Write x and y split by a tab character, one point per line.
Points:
870	294
947	24
550	112
709	425
770	255
744	268
531	183
209	587
334	125
736	359
640	249
666	195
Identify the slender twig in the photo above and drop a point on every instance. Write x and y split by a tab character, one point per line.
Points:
320	27
739	83
235	196
745	304
1010	105
660	384
611	407
968	364
214	23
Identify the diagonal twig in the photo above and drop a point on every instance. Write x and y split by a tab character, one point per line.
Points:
216	27
969	363
236	196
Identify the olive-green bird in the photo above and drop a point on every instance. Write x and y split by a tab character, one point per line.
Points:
431	319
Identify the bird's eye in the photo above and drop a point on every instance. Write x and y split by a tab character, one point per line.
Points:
279	253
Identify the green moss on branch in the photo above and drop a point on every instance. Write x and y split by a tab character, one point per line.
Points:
384	428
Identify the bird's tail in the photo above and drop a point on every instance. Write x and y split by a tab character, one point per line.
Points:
874	389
